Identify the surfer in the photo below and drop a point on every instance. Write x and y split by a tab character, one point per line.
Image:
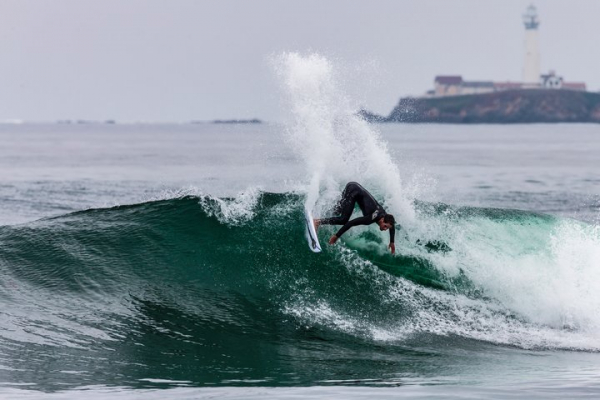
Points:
372	212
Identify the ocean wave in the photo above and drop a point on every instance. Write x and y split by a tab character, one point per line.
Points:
502	276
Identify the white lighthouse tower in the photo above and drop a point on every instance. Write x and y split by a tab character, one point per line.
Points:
531	68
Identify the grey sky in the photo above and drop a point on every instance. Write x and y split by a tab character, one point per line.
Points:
197	60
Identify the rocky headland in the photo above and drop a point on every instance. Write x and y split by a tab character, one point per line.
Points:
511	106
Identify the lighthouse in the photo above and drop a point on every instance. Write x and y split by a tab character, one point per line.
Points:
531	67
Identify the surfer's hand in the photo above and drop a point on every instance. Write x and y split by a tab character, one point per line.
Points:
392	247
333	239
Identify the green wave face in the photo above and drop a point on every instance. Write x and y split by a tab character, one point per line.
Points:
226	291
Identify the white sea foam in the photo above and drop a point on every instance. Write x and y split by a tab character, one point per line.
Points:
543	269
434	312
235	211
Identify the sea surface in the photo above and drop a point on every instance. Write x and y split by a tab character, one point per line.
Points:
169	261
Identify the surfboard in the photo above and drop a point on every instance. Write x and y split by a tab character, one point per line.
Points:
311	233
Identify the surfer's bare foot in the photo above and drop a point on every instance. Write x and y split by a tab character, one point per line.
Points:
316	223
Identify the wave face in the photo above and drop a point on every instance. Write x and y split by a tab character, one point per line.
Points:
228	289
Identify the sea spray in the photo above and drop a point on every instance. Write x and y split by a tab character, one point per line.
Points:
337	146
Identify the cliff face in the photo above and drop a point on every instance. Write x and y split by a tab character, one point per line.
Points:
518	106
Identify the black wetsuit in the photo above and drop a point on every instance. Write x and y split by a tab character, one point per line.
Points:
356	194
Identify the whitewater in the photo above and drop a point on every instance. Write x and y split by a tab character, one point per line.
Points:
171	260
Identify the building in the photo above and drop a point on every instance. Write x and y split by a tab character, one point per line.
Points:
551	81
531	66
476	87
455	85
447	85
508	85
579	86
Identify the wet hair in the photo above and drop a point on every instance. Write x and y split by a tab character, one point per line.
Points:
389	219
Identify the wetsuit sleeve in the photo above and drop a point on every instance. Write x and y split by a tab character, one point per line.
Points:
366	220
392	233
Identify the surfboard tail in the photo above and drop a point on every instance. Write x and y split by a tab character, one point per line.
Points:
311	233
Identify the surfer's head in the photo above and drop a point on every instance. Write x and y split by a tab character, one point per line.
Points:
386	222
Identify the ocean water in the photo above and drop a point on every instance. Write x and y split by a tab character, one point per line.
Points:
169	260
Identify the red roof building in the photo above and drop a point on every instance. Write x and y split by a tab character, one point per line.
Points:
448	79
580	86
508	85
454	85
447	85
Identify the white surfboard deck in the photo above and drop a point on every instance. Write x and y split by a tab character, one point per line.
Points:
311	233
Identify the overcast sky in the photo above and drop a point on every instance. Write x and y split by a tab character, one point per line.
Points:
176	60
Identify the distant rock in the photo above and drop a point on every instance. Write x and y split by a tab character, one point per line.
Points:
237	121
514	106
85	122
